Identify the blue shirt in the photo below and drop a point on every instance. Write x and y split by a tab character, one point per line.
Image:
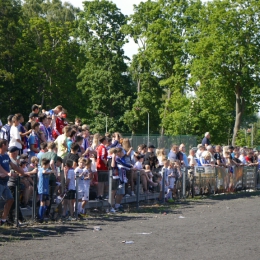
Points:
33	140
4	162
185	159
43	184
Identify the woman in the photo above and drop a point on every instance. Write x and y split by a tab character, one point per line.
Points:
129	158
205	159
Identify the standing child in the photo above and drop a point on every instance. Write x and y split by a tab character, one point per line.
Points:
171	179
70	188
80	170
165	162
43	187
88	176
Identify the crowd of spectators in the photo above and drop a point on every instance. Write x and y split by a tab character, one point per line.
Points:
47	145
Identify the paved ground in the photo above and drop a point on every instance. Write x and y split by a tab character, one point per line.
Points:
201	229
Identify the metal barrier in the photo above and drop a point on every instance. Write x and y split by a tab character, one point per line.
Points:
196	181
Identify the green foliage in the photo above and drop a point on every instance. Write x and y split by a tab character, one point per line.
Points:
104	80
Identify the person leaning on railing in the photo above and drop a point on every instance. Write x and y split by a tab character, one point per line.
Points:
5	173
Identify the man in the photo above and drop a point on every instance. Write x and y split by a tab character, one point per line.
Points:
5	173
32	118
206	140
184	161
218	157
5	130
36	110
102	168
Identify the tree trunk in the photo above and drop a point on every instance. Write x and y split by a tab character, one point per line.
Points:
240	103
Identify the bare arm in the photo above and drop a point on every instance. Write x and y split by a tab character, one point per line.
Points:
16	168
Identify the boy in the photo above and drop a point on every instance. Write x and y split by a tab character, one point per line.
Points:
80	170
70	188
43	187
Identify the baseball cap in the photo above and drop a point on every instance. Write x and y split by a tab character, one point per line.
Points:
13	149
151	146
32	115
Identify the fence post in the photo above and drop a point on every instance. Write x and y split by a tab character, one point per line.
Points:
110	180
34	199
192	184
184	183
163	186
77	195
17	201
138	190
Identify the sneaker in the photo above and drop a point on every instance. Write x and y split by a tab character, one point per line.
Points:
120	209
112	210
5	223
71	218
132	193
127	195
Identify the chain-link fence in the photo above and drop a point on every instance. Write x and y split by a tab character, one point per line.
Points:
161	141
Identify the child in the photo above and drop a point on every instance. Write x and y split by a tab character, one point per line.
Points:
80	170
88	176
165	162
70	188
139	162
171	179
43	187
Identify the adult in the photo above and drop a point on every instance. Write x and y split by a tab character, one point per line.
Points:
36	110
218	158
102	168
5	173
184	161
32	118
60	123
43	129
61	142
15	138
206	140
22	131
5	130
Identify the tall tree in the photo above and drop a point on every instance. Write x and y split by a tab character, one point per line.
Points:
104	79
10	33
224	54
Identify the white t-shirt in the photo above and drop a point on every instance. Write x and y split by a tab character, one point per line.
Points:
138	165
81	179
71	176
61	148
87	182
192	160
15	135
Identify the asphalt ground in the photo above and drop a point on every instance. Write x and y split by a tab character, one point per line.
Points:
221	227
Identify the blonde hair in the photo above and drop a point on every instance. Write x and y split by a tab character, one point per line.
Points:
126	144
95	141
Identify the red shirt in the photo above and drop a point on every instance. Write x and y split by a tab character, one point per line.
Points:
59	125
101	155
249	160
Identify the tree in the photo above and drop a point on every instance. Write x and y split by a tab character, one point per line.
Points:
224	54
10	33
104	80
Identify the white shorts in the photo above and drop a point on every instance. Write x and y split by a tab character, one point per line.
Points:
83	195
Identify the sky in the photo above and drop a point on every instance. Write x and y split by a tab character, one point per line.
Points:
126	7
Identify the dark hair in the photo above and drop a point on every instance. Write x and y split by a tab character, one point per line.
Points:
109	140
42	117
43	145
34	125
69	163
73	132
59	159
34	107
9	118
78	138
102	139
3	142
88	161
45	161
22	162
74	147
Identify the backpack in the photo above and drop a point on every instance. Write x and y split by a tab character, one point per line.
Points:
5	133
